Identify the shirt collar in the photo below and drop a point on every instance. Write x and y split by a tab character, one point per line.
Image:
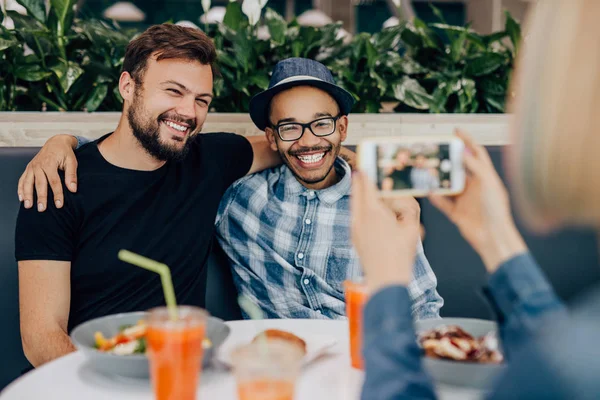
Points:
328	195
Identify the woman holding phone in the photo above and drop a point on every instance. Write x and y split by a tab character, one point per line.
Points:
555	172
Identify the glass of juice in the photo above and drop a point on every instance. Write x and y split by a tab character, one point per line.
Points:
356	297
267	370
175	351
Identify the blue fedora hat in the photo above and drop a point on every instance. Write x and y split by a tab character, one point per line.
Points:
297	72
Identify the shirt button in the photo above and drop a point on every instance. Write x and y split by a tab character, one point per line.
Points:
318	311
306	281
311	193
300	256
307	221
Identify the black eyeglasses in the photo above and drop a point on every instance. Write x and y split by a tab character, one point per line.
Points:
292	131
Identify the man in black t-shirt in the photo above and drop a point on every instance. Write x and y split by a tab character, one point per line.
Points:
399	177
152	186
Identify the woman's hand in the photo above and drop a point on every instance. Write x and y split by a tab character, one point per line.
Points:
482	211
385	236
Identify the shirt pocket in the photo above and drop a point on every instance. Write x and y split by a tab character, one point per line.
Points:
342	264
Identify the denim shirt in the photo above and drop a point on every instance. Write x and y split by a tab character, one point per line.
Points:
290	247
550	354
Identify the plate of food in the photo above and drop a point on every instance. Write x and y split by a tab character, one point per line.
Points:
116	344
313	346
461	351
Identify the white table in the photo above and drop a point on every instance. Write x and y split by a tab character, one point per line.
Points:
330	377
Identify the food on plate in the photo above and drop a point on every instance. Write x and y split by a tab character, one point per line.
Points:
131	339
276	334
453	343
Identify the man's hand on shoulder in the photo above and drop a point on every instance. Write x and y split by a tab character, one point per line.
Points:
349	156
57	154
264	156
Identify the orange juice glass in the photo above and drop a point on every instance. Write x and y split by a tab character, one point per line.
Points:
267	370
175	351
356	297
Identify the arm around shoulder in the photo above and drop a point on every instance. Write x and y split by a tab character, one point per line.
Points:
264	155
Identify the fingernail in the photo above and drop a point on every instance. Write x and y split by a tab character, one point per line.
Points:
40	207
20	197
58	203
27	203
73	186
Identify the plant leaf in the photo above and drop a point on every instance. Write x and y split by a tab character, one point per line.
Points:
117	94
430	38
380	82
276	25
494	37
261	80
7	43
411	93
440	97
35	8
64	12
457	46
233	15
437	13
493	86
496	102
514	32
467	100
484	64
32	73
96	97
225	59
67	73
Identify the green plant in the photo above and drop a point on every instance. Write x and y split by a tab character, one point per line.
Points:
55	61
247	53
51	60
454	69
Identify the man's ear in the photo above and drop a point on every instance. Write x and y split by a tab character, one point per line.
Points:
343	127
126	86
270	134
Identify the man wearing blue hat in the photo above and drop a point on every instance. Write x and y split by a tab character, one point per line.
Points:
286	230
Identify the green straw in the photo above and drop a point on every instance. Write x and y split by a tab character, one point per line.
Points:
162	270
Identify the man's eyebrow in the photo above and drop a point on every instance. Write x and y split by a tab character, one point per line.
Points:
185	89
316	115
283	121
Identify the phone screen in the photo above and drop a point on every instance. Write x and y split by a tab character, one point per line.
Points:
415	166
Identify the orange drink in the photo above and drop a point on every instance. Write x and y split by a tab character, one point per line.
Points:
356	297
266	389
175	352
267	369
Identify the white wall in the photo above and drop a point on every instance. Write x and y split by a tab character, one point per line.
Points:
32	129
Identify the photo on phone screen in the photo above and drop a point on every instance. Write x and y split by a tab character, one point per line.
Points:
413	166
419	166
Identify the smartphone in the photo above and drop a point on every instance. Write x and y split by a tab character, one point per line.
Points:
414	166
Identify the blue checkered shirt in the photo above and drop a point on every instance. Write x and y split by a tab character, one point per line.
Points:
290	246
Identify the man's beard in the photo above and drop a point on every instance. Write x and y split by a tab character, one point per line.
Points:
147	132
286	155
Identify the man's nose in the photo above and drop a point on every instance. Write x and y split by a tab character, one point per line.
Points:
309	139
187	107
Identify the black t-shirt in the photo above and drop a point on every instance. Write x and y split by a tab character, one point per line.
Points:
167	215
401	178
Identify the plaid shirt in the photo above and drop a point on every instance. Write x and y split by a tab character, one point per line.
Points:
290	246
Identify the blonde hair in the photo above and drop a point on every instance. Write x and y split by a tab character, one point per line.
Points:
555	97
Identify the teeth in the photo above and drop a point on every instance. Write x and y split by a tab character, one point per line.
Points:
173	125
312	158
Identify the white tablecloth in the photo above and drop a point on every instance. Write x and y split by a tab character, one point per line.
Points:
329	377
